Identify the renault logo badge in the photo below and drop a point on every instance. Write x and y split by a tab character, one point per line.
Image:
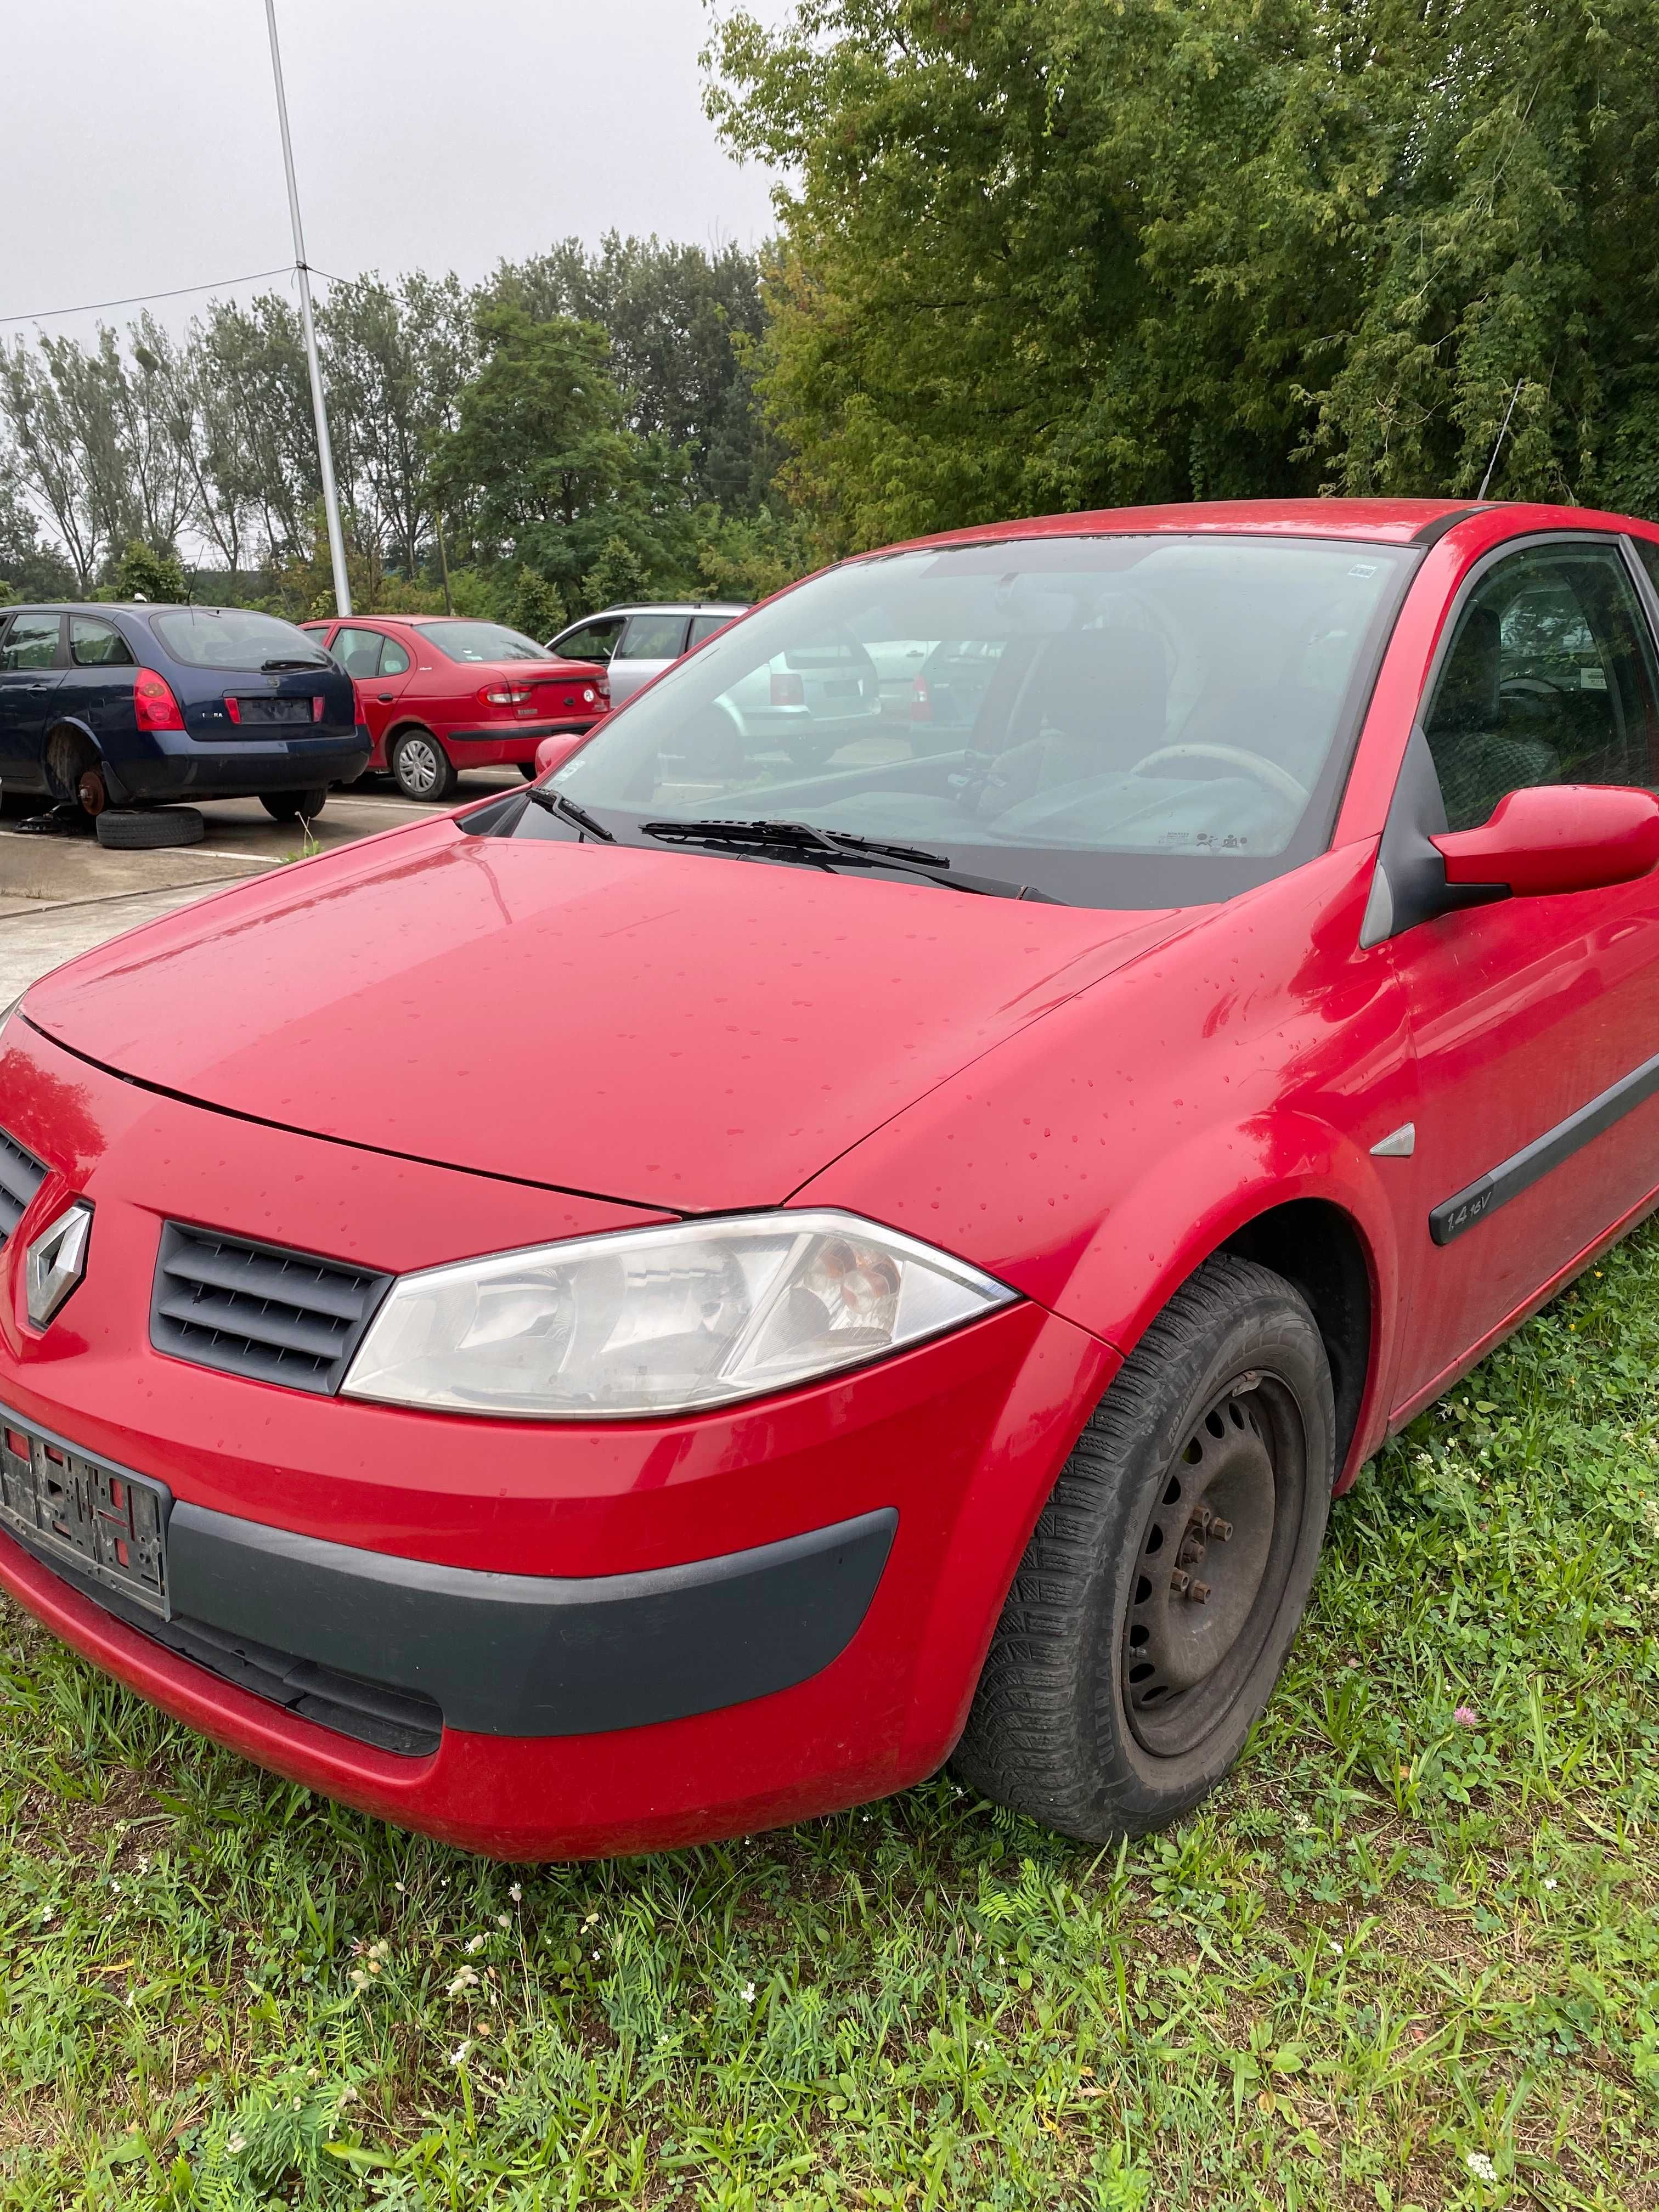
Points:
56	1260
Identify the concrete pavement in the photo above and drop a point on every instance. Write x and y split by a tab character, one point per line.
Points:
63	895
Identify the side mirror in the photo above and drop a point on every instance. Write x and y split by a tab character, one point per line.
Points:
1556	838
553	752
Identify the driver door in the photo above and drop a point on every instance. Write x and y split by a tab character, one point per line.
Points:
1525	1011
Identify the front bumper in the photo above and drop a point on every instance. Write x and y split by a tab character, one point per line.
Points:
496	1654
633	1635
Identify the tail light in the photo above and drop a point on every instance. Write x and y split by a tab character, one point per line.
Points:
921	701
787	690
152	702
505	695
233	707
317	705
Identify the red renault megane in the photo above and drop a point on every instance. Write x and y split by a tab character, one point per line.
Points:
687	1294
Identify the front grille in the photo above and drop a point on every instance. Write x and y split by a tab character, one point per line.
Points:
391	1720
21	1175
259	1310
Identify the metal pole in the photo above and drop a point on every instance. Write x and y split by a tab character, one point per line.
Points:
324	449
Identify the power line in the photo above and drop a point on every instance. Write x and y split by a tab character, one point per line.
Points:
139	299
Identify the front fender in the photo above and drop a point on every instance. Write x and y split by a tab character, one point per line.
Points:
1097	1159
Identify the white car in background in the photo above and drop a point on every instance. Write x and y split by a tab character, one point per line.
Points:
807	703
638	641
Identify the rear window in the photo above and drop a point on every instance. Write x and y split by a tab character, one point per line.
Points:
482	641
234	637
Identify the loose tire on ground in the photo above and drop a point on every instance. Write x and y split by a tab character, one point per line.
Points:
294	805
421	767
1139	1641
126	829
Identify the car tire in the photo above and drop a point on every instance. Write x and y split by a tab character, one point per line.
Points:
129	829
1111	1702
421	768
294	805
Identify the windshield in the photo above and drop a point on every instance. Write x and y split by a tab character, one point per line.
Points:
482	641
234	637
1135	721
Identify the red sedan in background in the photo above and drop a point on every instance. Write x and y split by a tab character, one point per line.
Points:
977	1208
441	693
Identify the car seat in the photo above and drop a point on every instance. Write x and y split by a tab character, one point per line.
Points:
1096	704
1477	757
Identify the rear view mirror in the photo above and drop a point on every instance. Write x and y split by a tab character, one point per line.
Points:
1556	838
553	752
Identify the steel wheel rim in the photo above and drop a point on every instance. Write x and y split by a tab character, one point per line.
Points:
1213	1563
418	762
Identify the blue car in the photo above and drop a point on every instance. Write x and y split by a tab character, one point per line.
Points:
138	706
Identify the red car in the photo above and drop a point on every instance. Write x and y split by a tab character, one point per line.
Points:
441	693
876	1263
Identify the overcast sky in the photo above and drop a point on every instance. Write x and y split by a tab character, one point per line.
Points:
139	148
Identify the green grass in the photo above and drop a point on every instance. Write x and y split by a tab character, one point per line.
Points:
1402	1958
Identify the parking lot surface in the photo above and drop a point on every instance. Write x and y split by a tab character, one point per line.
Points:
63	895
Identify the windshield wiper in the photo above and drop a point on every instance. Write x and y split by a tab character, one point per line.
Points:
274	667
800	836
555	802
833	847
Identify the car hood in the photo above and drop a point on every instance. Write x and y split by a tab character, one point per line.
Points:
675	1030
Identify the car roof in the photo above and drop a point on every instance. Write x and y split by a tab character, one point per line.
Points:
124	607
1384	521
664	607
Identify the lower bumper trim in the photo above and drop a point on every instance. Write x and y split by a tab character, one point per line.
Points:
534	1654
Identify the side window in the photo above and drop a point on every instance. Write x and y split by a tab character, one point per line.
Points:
704	626
31	642
1647	552
594	641
95	644
394	661
358	652
1550	679
652	637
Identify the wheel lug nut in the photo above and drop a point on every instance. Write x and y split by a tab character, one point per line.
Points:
1179	1581
1199	1593
1221	1530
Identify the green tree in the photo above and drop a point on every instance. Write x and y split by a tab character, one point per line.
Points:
618	575
1058	255
142	573
681	324
28	570
541	464
535	606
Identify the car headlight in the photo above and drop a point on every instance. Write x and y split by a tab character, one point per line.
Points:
661	1321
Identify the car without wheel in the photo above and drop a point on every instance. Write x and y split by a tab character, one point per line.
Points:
134	707
439	694
863	1265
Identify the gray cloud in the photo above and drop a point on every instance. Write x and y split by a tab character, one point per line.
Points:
140	150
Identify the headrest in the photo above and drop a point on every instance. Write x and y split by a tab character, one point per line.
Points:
1099	683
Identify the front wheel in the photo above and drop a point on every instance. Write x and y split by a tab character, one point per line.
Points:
294	805
1158	1598
421	767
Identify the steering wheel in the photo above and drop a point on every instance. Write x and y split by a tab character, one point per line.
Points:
1533	687
1278	781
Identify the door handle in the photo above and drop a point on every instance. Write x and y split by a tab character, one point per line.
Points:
386	698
